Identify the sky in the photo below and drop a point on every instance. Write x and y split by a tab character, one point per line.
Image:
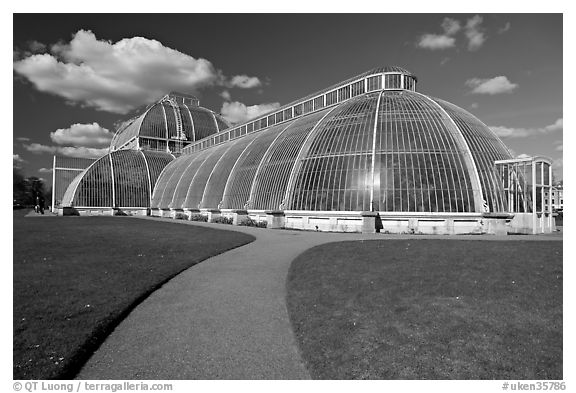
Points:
76	76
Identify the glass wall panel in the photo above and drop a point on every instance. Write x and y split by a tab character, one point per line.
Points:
409	83
152	144
334	174
375	83
238	188
214	192
332	97
187	126
156	163
131	130
358	88
197	185
539	205
273	177
279	117
298	110
204	124
546	174
170	120
70	193
420	166
154	124
486	148
343	93
162	183
173	189
131	187
65	170
392	81
95	186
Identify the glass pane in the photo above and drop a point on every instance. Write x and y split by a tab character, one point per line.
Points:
485	148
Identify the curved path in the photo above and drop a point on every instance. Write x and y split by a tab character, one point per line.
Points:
224	318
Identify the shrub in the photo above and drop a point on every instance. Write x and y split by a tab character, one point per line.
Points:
223	220
248	222
198	217
180	216
119	213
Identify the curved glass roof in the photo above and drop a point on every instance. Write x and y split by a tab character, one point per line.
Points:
122	178
384	150
382	78
169	124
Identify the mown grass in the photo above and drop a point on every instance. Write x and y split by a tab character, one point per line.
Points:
429	309
76	278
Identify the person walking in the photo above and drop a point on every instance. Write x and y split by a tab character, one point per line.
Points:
37	203
42	201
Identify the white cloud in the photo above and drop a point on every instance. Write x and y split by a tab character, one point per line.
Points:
78	140
441	41
17	161
523	155
118	77
474	105
38	148
491	86
244	82
23	139
436	41
510	132
45	170
557	126
69	151
226	95
236	112
87	135
450	26
475	33
505	28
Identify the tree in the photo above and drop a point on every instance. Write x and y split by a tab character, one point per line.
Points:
25	190
19	190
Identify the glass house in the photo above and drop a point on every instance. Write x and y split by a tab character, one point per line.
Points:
167	126
527	182
368	154
122	179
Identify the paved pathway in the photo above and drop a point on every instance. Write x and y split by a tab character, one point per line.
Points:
224	318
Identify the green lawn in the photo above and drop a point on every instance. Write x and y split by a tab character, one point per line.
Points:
76	278
429	309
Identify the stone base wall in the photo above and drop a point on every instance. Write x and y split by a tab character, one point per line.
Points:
528	224
364	222
325	221
103	211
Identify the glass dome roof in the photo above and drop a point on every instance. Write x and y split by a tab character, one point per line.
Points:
173	121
